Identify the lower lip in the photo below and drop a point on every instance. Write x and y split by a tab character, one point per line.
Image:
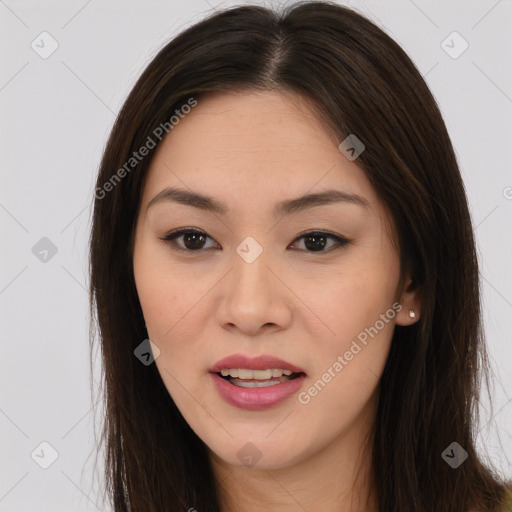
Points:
257	399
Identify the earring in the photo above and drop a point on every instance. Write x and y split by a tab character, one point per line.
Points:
412	314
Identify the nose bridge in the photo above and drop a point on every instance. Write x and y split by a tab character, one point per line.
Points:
253	297
250	272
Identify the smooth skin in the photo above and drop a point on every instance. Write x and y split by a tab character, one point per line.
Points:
251	150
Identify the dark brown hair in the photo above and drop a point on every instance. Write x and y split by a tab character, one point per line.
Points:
360	82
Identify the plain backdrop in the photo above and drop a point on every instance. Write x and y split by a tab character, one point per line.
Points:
56	113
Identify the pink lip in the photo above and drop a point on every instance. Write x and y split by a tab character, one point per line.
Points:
255	399
254	363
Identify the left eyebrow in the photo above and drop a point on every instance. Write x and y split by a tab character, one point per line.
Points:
282	208
319	199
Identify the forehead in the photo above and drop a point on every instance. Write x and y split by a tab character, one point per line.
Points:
253	147
268	125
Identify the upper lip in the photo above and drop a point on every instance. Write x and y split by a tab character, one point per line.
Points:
262	362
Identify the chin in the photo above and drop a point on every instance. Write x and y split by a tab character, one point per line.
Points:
258	455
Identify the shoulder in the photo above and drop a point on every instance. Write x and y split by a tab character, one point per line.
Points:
507	506
507	503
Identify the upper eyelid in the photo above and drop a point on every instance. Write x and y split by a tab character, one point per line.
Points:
177	233
180	231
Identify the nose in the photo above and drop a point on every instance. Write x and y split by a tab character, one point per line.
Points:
254	297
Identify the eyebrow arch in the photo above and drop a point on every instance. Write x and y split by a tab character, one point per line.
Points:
282	208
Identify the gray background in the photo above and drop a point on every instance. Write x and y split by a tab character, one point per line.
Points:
56	114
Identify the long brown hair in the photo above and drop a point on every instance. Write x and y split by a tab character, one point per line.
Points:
360	82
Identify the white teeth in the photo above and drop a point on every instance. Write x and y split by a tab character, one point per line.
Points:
261	374
253	384
244	373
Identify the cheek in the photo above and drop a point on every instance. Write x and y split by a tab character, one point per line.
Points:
353	299
166	293
345	377
356	307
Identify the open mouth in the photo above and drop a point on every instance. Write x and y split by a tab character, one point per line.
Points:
257	378
256	389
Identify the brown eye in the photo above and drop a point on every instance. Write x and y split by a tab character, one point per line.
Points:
192	239
317	241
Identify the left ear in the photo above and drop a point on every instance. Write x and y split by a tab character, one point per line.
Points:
410	300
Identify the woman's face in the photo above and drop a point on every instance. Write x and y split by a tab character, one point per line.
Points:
246	280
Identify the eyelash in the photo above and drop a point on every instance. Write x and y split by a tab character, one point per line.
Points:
170	239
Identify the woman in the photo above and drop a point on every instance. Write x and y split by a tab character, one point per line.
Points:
280	211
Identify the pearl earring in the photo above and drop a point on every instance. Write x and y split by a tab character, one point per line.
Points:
412	314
